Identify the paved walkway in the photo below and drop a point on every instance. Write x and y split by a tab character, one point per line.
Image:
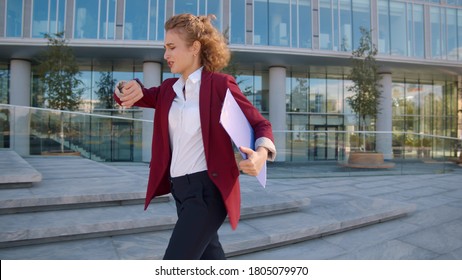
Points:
432	231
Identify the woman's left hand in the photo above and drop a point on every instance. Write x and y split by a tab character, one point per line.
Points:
255	160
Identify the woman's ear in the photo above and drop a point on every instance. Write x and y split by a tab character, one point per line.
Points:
196	47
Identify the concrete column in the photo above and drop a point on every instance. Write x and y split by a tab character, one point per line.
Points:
152	73
20	88
384	118
277	109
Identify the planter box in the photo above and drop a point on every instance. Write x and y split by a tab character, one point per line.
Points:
367	160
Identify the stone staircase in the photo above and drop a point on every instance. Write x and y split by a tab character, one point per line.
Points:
81	209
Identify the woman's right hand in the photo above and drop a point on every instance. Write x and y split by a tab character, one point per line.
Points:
131	93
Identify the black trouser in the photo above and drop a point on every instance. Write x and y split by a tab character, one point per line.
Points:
201	212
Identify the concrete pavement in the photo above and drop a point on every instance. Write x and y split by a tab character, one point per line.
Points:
307	211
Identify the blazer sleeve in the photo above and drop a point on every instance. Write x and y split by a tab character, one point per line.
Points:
151	95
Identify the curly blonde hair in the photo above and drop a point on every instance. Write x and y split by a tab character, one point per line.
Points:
214	54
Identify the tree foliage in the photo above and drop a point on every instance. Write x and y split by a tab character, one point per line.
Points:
59	73
364	75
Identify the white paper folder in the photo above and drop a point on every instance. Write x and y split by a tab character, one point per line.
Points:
238	128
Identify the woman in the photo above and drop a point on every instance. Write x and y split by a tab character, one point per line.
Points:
192	155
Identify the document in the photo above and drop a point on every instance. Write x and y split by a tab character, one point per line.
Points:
238	128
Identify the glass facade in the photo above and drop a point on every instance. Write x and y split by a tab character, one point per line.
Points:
285	24
315	99
4	83
144	20
237	15
47	17
421	109
202	7
94	19
14	18
340	22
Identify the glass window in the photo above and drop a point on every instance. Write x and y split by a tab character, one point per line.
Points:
317	96
361	18
335	25
40	18
107	19
187	6
279	23
418	39
202	7
299	87
14	16
451	31
86	19
304	23
412	98
384	27
136	21
156	19
334	95
237	16
345	25
215	7
325	25
398	28
459	27
260	17
47	17
4	77
435	32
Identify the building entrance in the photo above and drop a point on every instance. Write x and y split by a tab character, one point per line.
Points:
326	143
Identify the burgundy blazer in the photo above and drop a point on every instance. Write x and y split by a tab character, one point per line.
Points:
219	154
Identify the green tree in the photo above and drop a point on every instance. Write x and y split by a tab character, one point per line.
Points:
106	85
365	100
59	74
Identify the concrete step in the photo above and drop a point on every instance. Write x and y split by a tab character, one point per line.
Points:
74	182
57	225
62	216
328	216
15	172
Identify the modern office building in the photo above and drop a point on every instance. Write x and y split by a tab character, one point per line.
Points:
292	59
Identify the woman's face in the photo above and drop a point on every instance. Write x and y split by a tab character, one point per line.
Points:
181	58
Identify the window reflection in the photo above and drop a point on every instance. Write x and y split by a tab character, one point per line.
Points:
14	15
362	18
4	77
397	25
435	27
136	20
418	40
260	18
345	26
451	21
384	27
325	25
202	7
459	23
86	19
304	23
47	17
279	23
237	16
